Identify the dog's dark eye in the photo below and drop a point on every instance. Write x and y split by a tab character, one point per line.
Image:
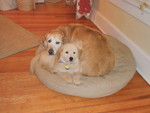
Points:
66	52
57	42
49	41
74	52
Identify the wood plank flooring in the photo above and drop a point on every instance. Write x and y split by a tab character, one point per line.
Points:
22	93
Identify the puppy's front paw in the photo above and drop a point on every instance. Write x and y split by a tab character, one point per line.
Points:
53	71
45	67
66	77
76	82
68	80
76	79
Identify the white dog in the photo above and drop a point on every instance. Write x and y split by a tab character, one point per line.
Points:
46	58
67	63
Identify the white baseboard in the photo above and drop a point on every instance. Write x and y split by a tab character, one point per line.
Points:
142	59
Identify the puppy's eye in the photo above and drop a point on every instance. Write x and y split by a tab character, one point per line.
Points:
74	52
57	42
66	52
49	41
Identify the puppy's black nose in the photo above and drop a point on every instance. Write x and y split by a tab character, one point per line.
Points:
71	59
51	52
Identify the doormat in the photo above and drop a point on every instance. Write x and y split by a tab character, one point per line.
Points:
14	38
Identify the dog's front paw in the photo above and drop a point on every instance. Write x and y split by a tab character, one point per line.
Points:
53	71
68	80
76	82
66	77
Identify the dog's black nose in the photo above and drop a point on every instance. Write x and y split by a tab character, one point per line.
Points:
51	52
70	58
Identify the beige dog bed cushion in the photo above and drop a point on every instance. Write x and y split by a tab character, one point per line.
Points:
94	87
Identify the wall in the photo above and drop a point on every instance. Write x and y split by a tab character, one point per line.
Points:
136	31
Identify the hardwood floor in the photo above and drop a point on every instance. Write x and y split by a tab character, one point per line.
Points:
22	93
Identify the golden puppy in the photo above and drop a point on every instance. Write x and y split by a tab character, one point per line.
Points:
46	58
97	57
67	63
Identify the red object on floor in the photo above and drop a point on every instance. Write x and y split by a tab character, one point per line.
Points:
83	8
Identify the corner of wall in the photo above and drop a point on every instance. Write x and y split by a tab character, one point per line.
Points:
142	59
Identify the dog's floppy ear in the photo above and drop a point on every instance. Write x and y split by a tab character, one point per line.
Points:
44	41
63	36
59	53
58	31
64	40
61	33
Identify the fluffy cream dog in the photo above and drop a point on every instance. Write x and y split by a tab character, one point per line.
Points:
67	63
53	41
97	57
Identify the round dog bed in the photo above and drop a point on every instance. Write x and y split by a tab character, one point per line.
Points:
94	87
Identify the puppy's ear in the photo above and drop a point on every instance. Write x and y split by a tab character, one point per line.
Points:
79	46
79	53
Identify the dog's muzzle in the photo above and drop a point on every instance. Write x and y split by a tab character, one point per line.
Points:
51	52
